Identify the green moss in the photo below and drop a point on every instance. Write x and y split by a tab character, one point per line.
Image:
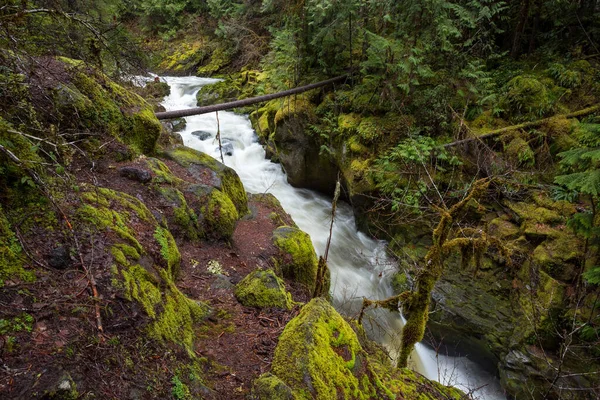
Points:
528	211
183	215
103	105
559	256
220	58
168	250
205	168
12	259
141	286
528	97
105	219
293	107
348	124
503	229
298	260
220	214
144	132
320	356
519	152
314	352
176	321
162	173
109	198
268	386
263	289
355	146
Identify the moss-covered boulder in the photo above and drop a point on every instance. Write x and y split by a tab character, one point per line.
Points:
319	356
102	105
216	209
146	262
527	97
262	289
297	259
209	171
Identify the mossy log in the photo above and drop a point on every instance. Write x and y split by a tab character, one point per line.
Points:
524	125
246	102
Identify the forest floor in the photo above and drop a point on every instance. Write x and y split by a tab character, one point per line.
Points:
59	331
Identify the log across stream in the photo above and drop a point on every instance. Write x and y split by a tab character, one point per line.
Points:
359	265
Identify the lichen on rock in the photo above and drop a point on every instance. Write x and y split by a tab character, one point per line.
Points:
262	289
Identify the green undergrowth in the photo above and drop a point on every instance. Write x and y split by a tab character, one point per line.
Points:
12	259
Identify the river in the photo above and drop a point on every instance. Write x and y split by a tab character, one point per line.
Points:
359	265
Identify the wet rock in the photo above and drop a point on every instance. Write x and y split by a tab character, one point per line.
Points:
59	258
221	282
178	124
202	135
227	148
136	174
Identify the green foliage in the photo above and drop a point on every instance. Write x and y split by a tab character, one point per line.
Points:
412	157
179	390
23	322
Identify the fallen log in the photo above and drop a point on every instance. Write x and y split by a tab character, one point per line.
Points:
531	124
245	102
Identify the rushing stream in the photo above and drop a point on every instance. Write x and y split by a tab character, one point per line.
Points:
359	265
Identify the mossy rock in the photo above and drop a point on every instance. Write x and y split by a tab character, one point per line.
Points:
531	212
270	387
503	229
148	280
559	256
210	172
297	259
262	289
103	105
156	89
319	356
180	213
519	152
220	92
215	210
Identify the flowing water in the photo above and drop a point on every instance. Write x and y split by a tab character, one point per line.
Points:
359	265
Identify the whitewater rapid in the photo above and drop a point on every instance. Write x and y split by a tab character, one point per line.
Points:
359	265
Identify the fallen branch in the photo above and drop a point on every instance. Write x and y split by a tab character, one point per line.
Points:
524	125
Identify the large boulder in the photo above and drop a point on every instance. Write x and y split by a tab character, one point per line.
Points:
319	355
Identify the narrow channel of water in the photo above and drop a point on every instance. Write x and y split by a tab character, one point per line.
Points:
359	265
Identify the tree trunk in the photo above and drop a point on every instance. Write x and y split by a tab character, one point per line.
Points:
523	17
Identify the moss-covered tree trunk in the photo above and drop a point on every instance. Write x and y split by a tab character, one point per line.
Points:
416	304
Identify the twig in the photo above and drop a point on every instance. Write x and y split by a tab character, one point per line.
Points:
219	137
